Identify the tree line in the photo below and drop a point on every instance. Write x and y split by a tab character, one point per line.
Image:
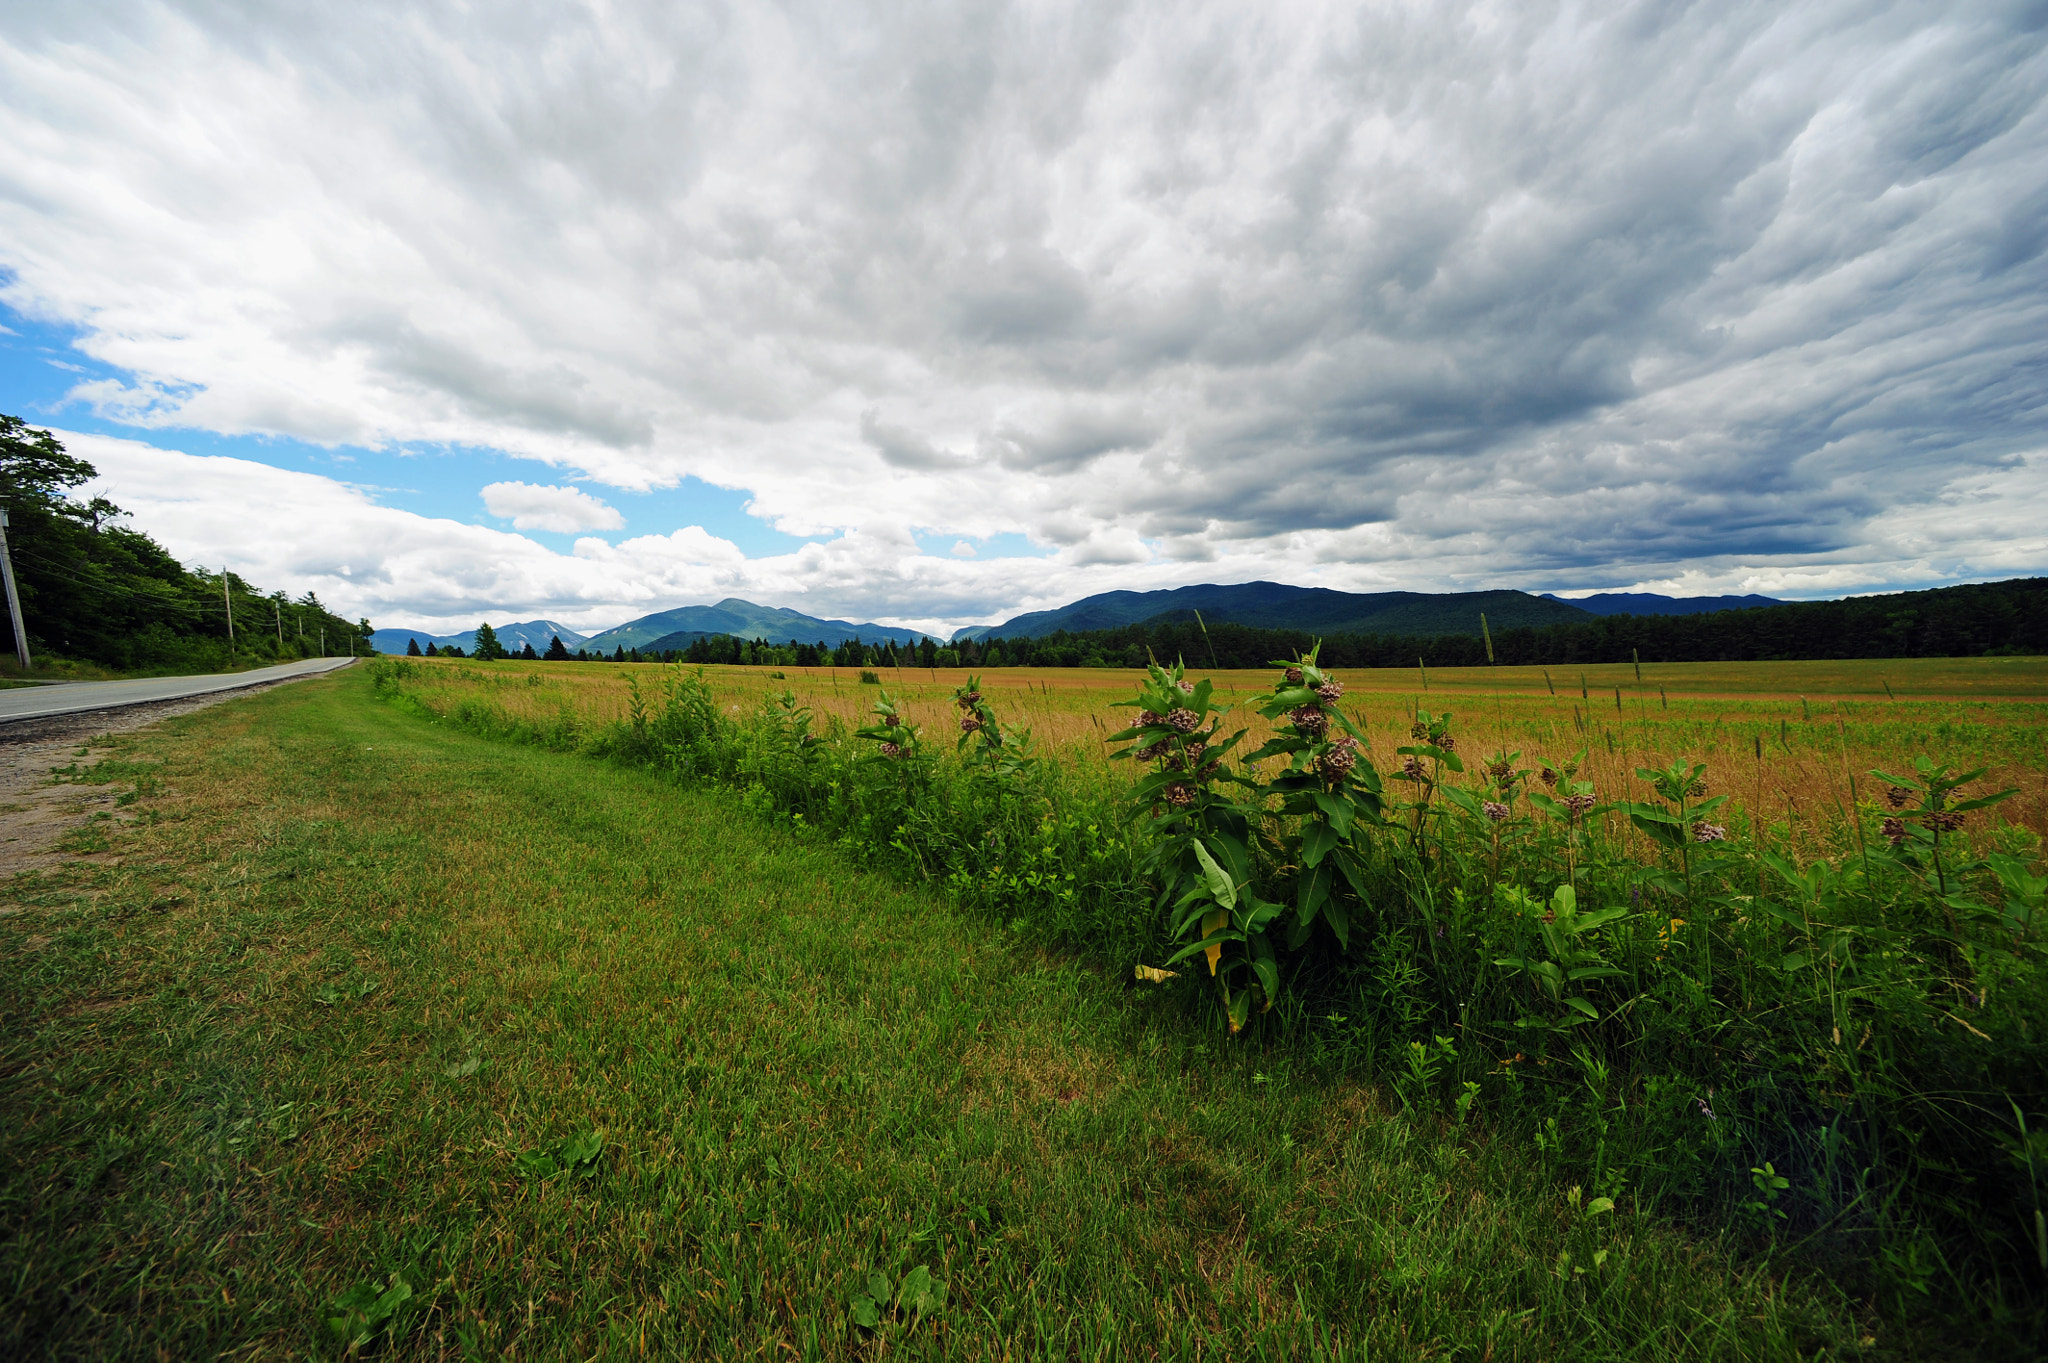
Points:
96	590
2007	618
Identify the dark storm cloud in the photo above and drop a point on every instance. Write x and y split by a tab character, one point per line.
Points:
1479	289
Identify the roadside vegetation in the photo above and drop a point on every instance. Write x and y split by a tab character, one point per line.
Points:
1813	1016
773	1031
101	599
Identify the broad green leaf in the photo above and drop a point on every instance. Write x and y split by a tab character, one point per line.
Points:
1984	802
1338	810
920	1295
1220	888
1314	889
1267	970
1599	1205
1317	839
1339	919
1584	1007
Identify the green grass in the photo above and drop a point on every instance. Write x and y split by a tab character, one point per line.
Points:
354	966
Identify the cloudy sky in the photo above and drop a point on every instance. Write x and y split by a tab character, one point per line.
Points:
937	312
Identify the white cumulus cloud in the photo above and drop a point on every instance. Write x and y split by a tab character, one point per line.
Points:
1427	294
564	510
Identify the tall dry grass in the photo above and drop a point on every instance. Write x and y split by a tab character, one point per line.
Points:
1792	743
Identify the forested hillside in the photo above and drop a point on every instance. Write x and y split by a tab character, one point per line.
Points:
1946	622
95	590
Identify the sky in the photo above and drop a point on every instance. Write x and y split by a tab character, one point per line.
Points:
932	314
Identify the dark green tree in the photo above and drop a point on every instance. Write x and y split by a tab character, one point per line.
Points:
487	645
556	652
412	648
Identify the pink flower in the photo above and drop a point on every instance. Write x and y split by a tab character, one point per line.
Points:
1495	810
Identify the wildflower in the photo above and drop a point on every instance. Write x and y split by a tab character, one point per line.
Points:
1495	810
1310	720
1897	797
1446	742
969	723
1179	795
891	750
1148	717
1411	770
1548	777
1709	832
1342	756
1947	820
889	721
1195	750
1439	929
1210	770
1293	676
1894	830
1697	788
1187	721
1705	1111
1578	805
1330	691
1152	750
1418	730
967	699
1187	688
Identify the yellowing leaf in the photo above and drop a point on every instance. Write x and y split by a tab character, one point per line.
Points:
1152	974
1213	923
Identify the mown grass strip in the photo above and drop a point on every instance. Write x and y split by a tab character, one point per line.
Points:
354	966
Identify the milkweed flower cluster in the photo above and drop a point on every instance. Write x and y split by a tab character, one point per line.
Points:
1709	832
1177	728
895	738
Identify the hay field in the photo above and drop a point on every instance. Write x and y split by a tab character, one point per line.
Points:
1821	726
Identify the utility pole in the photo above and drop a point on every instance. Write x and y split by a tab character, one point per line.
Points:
13	596
229	602
279	608
323	641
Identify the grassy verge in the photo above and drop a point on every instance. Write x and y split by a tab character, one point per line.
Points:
357	982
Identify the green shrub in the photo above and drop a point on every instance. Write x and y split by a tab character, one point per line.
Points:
1660	1005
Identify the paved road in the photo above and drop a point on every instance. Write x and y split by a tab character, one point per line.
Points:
63	698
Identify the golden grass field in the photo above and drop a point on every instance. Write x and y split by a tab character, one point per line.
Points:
1820	725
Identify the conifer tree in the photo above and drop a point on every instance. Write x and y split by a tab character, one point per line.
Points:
412	648
556	652
487	645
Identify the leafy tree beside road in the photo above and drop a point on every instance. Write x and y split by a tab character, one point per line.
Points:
96	590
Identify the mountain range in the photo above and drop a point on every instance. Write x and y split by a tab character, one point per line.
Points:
745	620
1273	605
1266	605
513	637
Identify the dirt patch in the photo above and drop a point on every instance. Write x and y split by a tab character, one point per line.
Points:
37	818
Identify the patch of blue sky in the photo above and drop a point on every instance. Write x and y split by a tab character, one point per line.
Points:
1007	545
40	366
